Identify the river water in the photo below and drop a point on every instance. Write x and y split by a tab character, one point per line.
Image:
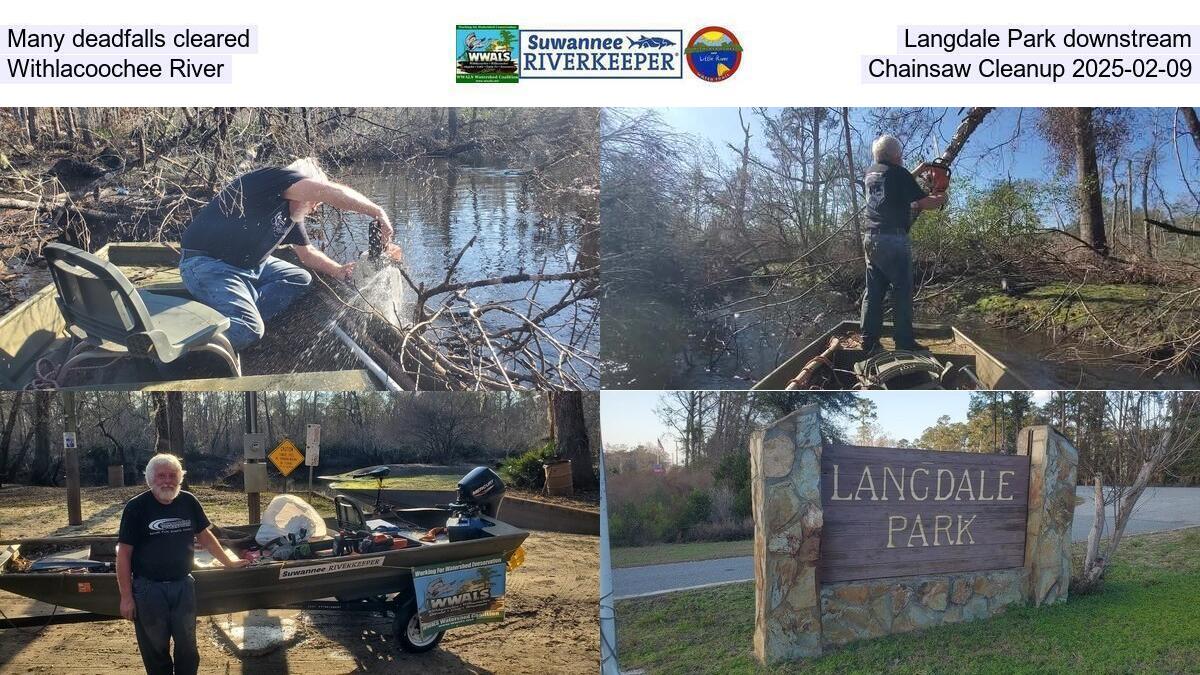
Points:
437	207
671	349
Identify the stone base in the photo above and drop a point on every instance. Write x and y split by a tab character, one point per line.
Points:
857	610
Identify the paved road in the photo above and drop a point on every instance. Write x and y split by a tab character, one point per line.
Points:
1159	509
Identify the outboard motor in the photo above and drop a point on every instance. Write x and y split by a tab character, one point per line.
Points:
479	494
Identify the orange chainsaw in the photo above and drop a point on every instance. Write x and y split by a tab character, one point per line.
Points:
935	175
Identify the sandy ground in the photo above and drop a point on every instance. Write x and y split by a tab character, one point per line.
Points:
551	623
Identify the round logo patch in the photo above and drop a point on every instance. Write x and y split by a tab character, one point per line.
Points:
713	53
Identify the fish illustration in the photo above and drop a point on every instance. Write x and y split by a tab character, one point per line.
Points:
474	44
643	42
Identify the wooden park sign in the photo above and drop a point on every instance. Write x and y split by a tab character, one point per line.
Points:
893	512
853	543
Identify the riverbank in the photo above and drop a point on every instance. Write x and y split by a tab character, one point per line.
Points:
1151	324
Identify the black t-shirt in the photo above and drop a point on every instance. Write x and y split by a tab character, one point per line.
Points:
162	534
891	190
248	219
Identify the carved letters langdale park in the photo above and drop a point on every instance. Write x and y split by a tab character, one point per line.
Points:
890	512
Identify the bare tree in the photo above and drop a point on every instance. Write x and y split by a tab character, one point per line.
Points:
1149	432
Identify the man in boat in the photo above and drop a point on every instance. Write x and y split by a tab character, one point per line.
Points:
893	195
154	563
227	262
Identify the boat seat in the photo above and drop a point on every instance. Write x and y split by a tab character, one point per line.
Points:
111	318
349	516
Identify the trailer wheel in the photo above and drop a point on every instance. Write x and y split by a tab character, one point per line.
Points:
408	630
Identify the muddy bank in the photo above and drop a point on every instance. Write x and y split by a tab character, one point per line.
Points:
551	622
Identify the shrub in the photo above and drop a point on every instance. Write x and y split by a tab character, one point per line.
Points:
724	530
733	474
695	510
525	471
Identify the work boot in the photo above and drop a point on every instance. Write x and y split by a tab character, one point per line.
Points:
913	346
870	349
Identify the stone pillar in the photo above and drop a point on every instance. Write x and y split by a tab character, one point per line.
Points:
1052	462
785	477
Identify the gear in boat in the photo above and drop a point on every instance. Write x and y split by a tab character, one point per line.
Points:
836	360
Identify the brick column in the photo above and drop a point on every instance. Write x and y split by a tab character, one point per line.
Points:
785	477
1052	462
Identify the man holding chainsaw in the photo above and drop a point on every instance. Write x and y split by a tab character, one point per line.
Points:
227	262
893	198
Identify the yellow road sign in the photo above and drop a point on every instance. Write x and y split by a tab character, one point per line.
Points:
286	456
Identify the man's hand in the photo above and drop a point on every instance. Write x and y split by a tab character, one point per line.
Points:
394	252
344	272
312	258
128	607
933	201
236	563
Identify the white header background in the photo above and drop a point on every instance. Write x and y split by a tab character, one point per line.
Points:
402	53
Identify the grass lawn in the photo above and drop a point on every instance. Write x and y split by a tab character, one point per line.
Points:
669	553
1146	620
447	482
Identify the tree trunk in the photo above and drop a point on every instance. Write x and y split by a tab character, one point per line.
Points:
31	115
851	175
818	116
1091	203
175	421
10	424
71	125
85	127
572	442
1093	545
40	473
1146	207
1193	124
743	180
162	422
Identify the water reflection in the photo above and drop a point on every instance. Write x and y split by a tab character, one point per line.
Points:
666	348
438	207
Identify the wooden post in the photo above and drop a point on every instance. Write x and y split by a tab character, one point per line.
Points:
71	461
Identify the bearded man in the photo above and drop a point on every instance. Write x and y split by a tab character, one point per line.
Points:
154	564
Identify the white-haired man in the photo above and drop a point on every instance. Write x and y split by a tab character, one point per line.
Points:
892	196
154	564
227	262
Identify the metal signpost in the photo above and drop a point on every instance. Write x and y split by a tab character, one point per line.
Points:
312	451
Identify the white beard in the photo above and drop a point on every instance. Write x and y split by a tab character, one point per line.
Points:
166	494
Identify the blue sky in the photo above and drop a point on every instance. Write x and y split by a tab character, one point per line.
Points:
1027	158
628	416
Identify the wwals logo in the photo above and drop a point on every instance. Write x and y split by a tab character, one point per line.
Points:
486	53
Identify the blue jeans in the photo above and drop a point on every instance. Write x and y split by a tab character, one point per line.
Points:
249	297
889	264
166	610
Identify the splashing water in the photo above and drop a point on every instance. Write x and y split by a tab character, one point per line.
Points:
381	289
